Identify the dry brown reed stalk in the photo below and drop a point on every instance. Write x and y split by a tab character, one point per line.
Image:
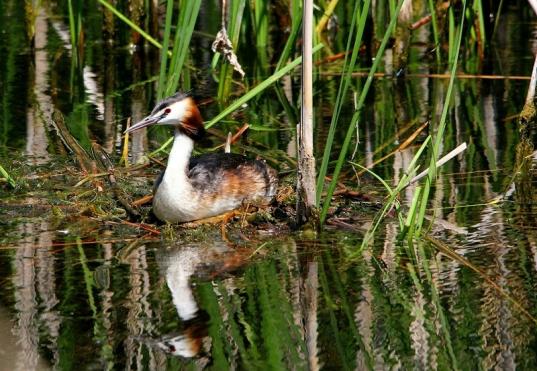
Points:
306	178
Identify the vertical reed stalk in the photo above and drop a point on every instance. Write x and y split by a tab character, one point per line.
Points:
188	13
436	36
354	121
439	136
165	45
234	22
121	16
306	160
296	19
358	22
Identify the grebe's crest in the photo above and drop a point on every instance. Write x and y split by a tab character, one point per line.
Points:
180	111
177	97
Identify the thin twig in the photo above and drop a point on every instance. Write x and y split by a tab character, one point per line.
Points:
434	76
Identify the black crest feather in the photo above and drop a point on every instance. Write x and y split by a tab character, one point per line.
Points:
177	97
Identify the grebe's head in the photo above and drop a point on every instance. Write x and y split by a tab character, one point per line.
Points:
179	111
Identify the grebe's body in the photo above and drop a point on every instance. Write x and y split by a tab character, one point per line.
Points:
208	185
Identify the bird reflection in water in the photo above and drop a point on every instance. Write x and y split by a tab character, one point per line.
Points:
179	265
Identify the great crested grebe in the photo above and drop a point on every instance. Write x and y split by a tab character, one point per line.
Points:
207	185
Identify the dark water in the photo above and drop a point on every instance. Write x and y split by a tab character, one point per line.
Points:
82	289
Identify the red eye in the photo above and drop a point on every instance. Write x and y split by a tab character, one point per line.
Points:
167	110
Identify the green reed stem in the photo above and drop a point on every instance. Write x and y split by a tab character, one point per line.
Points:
497	19
296	22
188	13
234	28
7	177
478	8
345	82
393	193
261	33
72	23
327	13
259	88
436	36
144	34
355	117
165	45
451	33
439	136
75	27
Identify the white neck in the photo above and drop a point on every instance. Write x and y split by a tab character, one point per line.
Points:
177	168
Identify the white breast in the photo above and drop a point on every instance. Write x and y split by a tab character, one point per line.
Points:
174	203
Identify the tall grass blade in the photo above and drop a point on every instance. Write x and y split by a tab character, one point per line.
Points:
478	8
261	34
355	117
345	82
296	19
436	35
7	177
439	136
164	55
75	27
125	19
259	88
234	25
188	15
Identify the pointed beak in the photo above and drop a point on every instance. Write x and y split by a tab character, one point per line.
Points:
148	121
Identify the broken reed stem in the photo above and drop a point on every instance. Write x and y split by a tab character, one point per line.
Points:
125	153
441	162
530	97
306	162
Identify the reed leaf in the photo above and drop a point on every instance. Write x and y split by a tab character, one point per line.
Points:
439	136
478	9
391	201
260	16
131	24
188	13
296	22
355	117
7	177
161	87
436	35
345	82
226	71
259	88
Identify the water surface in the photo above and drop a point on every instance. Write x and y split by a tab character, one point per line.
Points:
81	287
